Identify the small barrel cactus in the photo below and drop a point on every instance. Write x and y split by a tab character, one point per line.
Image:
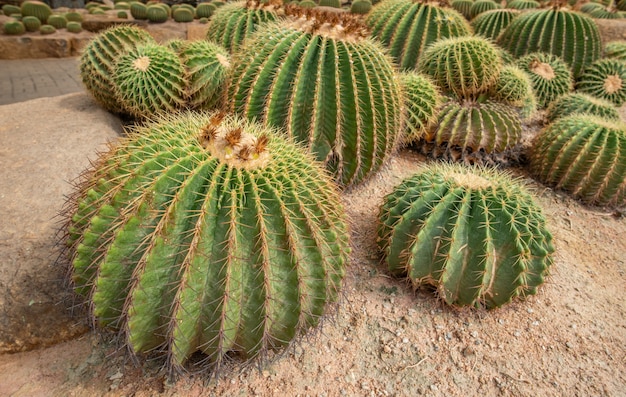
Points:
307	4
421	102
74	17
74	27
577	102
523	4
606	79
182	14
58	21
584	155
481	6
616	50
490	24
121	5
36	9
330	3
207	66
47	29
475	234
572	36
550	76
234	22
327	85
31	23
10	9
205	10
138	10
463	7
514	87
156	13
466	66
407	28
14	28
204	233
122	15
361	7
150	79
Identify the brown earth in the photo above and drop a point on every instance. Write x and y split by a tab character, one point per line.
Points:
384	340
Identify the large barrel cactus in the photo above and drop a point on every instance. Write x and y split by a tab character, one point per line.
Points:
407	27
205	233
475	234
326	85
550	76
584	155
572	36
37	9
606	79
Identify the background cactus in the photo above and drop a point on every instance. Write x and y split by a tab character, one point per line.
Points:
73	17
32	24
522	4
307	4
182	14
9	9
475	234
14	28
74	27
207	66
47	29
490	24
572	36
361	7
463	7
156	13
606	79
326	85
584	155
550	76
36	9
205	10
58	21
407	28
481	6
577	102
205	233
616	50
330	3
421	102
139	10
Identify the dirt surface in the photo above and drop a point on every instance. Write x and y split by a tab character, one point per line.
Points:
385	339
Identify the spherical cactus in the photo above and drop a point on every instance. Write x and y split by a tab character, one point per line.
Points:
584	155
122	15
307	4
122	5
97	11
616	50
47	29
98	60
182	14
74	27
475	234
577	102
605	13
234	22
463	7
156	14
73	17
513	87
327	86
150	79
139	10
36	9
522	4
466	66
408	28
58	21
207	66
361	7
464	130
481	6
572	36
606	79
330	3
205	10
550	76
14	28
490	24
203	233
421	102
588	7
32	24
9	9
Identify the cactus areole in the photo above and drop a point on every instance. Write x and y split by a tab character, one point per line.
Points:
203	232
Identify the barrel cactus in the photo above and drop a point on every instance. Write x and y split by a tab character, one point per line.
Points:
407	28
157	14
523	4
10	9
584	155
205	10
572	36
207	66
74	16
74	27
550	76
234	22
473	233
58	21
463	7
14	28
32	24
98	60
421	102
36	9
577	102
330	3
481	6
138	10
47	29
606	79
182	14
204	233
616	50
490	24
513	87
328	86
361	7
307	4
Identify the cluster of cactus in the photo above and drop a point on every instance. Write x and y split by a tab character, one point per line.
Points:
577	102
550	76
606	79
36	9
205	233
407	28
326	84
475	234
584	155
490	24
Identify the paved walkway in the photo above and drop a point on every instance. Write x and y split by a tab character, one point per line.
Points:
25	79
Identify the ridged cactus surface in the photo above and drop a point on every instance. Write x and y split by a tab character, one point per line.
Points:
204	233
139	10
31	23
182	14
572	36
37	9
156	13
584	155
616	50
207	66
550	76
407	28
327	86
490	24
475	234
578	102
481	6
606	79
463	7
58	21
514	87
522	4
421	101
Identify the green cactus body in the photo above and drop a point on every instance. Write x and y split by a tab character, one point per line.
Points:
481	6
488	127
307	4
73	17
577	102
616	50
14	28
9	9
572	36
490	24
47	29
475	234
408	28
36	9
207	66
98	60
330	3
331	89
421	102
588	7
205	10
150	79
74	27
361	7
203	233
523	4
97	11
122	15
606	79
463	7
58	21
466	66
139	11
182	14
234	22
514	87
584	155
32	24
122	5
604	13
156	13
550	76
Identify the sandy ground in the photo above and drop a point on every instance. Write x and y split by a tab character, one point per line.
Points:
384	340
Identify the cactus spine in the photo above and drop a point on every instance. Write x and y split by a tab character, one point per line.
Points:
475	234
606	79
550	76
577	102
584	155
205	233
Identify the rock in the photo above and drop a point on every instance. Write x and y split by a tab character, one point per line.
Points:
34	45
611	29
